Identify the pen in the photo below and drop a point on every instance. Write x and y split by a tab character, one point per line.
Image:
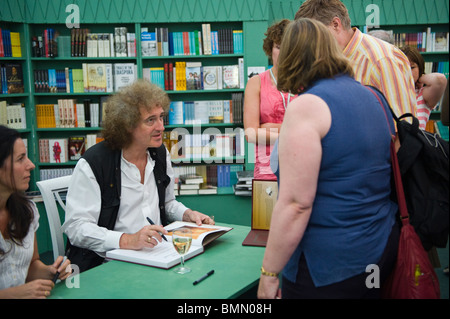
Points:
152	223
55	277
203	277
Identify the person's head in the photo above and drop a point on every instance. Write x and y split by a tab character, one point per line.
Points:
138	108
272	41
309	52
416	60
324	11
15	166
384	35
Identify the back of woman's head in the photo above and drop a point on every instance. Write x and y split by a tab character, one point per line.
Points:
309	52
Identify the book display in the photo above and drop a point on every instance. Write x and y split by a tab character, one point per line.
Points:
56	77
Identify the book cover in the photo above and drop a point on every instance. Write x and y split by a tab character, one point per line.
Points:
210	78
193	75
14	77
124	75
216	111
76	147
148	44
176	115
164	254
58	150
96	77
230	76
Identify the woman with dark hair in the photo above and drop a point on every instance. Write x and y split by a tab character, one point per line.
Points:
333	217
22	274
429	87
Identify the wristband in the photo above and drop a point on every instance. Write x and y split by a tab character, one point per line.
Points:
266	273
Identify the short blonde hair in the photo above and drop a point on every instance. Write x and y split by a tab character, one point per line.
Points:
309	52
122	113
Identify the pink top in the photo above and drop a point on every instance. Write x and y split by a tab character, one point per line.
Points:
423	110
271	110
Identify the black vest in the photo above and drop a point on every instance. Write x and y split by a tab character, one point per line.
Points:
105	164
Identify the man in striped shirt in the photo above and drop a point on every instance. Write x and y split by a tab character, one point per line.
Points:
374	61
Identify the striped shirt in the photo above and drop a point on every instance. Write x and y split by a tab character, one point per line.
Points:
423	111
385	67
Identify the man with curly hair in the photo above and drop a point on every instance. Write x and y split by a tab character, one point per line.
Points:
124	180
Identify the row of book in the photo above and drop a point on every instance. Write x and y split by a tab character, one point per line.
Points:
45	45
11	78
194	76
111	77
10	44
68	113
206	112
204	146
426	41
13	115
92	77
63	150
161	42
440	67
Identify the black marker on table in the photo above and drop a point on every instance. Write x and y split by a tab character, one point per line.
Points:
203	277
152	223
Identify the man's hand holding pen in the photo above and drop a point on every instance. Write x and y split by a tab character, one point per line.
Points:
148	236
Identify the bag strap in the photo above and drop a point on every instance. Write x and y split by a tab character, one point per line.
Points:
396	171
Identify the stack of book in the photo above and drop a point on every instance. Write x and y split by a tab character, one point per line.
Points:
243	186
190	184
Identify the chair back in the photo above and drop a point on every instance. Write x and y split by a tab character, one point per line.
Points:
51	191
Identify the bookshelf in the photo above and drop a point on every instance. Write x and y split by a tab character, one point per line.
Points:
185	18
29	17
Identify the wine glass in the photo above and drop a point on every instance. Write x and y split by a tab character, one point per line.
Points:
182	239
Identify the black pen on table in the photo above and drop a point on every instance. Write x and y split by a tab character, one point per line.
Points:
152	223
209	273
56	276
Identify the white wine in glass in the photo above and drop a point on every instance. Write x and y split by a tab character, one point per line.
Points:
182	239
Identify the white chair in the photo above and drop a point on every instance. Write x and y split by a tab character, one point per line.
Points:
51	191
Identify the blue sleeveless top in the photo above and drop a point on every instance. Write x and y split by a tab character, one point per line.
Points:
352	214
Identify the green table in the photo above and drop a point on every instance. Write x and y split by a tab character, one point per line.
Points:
237	270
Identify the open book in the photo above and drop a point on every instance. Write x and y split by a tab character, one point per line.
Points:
164	254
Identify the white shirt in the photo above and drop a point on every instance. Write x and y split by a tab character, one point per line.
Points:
137	201
15	263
